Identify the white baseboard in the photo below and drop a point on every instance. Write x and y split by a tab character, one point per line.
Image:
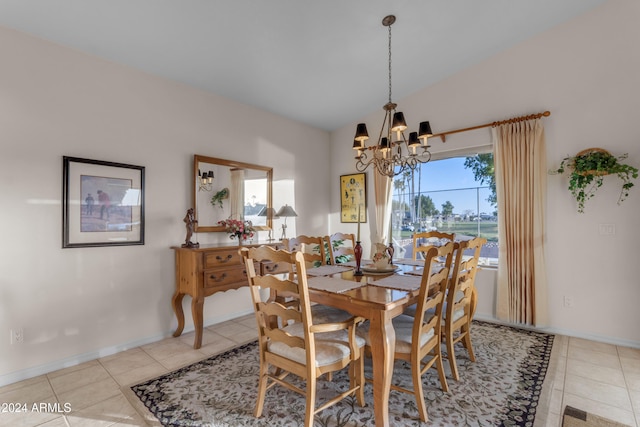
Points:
55	365
566	332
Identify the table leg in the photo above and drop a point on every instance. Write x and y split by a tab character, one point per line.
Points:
383	342
196	311
176	303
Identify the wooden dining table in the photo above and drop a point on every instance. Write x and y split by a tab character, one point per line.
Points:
379	305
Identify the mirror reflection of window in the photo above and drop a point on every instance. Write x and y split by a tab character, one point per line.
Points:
236	198
255	200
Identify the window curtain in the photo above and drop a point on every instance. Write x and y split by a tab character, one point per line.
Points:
236	198
382	188
520	173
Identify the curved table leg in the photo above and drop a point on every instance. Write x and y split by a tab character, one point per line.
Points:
196	311
383	342
176	303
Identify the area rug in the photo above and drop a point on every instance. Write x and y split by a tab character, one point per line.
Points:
502	388
573	417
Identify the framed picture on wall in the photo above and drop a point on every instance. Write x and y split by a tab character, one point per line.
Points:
353	197
102	203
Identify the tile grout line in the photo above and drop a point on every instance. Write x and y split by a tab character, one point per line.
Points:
636	416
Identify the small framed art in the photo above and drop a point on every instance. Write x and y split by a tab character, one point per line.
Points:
102	203
353	197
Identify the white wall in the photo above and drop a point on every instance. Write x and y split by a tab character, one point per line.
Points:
587	73
77	304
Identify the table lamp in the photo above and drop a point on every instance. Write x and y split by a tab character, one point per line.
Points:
285	211
270	213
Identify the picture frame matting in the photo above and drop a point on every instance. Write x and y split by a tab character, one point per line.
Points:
102	203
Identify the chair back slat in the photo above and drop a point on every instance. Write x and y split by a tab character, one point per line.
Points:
340	247
424	240
311	247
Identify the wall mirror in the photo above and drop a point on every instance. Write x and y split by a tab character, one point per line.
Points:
228	189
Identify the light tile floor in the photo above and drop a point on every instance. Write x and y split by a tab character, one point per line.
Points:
600	378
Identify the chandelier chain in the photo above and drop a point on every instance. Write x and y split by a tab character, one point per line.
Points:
389	63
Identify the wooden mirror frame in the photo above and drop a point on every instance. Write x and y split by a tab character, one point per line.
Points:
197	159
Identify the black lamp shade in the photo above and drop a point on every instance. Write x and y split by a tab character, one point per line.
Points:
399	124
361	132
358	145
384	144
424	130
413	139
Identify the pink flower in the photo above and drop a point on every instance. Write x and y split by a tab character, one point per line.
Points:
236	228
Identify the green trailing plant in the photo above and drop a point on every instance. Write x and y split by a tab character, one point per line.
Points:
587	170
219	197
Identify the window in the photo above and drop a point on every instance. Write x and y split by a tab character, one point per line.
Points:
453	195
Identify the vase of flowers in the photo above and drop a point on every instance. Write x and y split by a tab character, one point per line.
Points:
237	229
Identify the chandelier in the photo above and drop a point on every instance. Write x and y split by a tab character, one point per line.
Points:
393	154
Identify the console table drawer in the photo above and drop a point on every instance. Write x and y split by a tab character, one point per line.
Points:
222	277
222	258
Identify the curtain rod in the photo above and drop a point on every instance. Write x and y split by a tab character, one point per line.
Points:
443	135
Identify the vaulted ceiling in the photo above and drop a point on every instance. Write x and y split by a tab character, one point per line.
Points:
321	62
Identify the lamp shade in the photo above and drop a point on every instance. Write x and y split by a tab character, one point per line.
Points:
424	130
361	132
268	212
286	211
413	139
399	124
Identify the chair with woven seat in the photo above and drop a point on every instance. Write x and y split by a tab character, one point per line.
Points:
340	247
311	247
419	336
460	301
422	241
290	343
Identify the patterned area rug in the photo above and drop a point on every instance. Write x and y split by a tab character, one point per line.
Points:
501	388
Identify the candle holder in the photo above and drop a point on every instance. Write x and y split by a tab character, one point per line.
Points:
357	251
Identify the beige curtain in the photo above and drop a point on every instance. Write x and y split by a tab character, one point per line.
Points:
520	172
236	198
382	188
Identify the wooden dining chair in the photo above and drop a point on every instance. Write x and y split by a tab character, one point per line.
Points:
422	241
460	301
419	336
291	343
311	247
340	247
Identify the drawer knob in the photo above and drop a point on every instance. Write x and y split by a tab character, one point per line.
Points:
220	259
220	279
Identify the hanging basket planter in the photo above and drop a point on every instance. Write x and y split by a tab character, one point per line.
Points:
587	170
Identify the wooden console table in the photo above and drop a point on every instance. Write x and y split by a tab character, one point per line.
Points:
203	271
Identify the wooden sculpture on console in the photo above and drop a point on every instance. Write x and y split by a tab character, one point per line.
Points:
190	221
